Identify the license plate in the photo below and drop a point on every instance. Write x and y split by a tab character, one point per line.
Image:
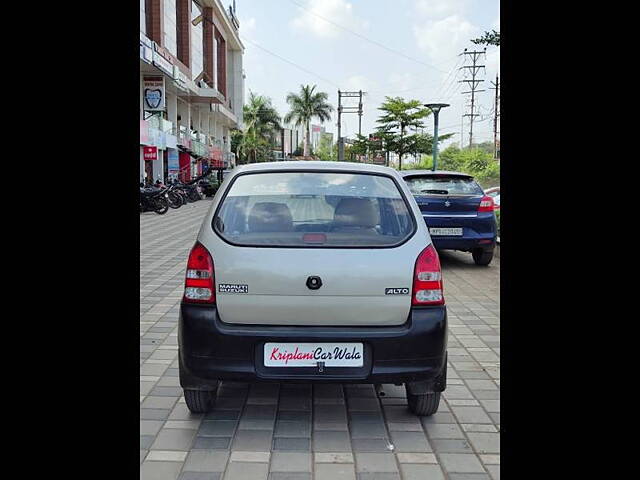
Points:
310	354
446	231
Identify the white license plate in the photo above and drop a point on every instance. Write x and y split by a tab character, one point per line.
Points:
446	231
310	354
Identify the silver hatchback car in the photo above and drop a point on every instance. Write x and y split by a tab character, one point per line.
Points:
313	272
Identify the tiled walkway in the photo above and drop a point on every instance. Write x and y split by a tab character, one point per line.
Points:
321	432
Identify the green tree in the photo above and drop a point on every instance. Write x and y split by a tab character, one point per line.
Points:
326	151
488	38
474	161
423	142
262	122
361	145
305	106
399	115
486	147
449	159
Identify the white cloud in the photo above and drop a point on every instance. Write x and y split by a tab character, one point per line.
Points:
441	8
445	38
360	82
401	81
493	61
339	12
249	24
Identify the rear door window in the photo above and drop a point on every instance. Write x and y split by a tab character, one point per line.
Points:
314	209
443	185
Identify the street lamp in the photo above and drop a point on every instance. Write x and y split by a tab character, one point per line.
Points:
435	108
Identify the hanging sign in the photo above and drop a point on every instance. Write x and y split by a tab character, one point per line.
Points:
154	94
150	153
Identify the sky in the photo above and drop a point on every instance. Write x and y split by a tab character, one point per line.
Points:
411	49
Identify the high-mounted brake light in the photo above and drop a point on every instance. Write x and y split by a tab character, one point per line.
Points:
486	204
199	286
427	279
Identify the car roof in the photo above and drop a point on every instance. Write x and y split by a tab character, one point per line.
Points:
313	165
410	173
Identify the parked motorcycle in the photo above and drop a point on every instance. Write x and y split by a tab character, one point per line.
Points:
175	197
192	192
154	200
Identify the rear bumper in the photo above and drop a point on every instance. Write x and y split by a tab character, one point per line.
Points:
486	241
211	350
479	231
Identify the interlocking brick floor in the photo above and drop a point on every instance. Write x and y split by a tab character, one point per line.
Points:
321	432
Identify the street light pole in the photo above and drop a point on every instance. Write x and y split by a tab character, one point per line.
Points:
435	108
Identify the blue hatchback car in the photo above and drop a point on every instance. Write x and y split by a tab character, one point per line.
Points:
456	210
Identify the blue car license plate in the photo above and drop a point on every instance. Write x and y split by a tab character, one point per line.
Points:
444	231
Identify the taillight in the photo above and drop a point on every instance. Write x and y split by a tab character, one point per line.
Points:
427	279
486	204
199	285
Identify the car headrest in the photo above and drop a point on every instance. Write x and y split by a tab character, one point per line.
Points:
270	217
356	212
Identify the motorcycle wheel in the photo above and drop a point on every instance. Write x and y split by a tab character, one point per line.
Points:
175	201
162	206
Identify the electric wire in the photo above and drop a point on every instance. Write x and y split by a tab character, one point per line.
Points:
366	38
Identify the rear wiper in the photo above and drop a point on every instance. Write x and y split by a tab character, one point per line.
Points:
439	192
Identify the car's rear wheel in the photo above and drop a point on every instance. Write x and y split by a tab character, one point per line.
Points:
423	405
199	401
481	256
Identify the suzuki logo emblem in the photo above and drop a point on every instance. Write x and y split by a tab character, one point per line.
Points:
447	203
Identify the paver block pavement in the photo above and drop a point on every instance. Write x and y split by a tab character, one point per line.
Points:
315	431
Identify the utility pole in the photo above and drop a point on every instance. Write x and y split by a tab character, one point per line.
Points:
348	109
360	114
474	68
496	87
340	149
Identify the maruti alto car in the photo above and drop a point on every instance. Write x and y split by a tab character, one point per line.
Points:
313	272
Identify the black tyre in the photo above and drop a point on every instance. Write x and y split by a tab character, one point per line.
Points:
199	401
423	405
161	205
175	200
482	256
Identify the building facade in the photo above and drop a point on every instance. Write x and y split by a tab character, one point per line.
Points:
191	87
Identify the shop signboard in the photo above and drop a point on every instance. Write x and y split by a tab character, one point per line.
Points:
150	153
161	62
146	48
173	162
180	79
154	94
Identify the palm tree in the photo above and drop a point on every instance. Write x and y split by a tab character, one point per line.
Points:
306	106
261	123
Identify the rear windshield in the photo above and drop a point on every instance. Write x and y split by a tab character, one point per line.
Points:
443	185
313	209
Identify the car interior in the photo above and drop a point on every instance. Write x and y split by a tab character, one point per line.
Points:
282	216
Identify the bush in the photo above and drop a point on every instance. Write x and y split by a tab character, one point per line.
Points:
474	161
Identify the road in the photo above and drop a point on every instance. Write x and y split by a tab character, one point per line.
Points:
321	432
